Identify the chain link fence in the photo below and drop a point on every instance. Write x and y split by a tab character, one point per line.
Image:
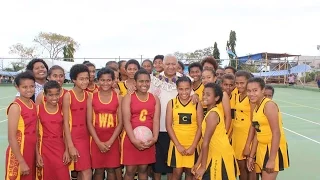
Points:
304	77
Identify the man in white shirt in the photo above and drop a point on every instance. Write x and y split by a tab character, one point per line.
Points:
164	86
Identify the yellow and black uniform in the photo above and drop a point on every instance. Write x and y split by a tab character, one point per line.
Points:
241	126
221	163
264	136
122	88
233	99
199	91
220	107
184	124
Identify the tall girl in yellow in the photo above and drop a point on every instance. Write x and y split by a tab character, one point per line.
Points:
216	160
241	124
269	144
183	123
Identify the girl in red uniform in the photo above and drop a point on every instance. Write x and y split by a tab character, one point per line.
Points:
105	124
52	155
55	73
139	109
75	122
22	123
92	87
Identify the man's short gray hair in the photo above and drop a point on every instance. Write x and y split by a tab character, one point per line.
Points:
168	56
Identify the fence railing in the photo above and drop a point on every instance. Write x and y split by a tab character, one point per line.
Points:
304	78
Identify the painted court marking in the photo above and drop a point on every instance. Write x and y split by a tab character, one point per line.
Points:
3	120
297	117
290	106
2	109
298	104
6	97
301	135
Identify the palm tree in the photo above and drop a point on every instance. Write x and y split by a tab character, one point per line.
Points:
68	52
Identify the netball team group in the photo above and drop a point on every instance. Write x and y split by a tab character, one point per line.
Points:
212	123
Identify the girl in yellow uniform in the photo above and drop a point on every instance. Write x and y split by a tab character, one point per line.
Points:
227	85
241	124
183	123
209	76
216	160
269	144
131	67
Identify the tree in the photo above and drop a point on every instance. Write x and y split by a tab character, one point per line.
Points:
216	52
54	43
23	51
68	52
195	56
179	55
231	44
17	66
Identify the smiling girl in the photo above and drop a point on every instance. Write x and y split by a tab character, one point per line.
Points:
52	154
269	145
22	123
216	160
104	122
75	123
140	108
39	69
183	123
55	73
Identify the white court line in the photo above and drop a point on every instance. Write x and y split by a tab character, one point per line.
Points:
298	104
290	106
7	97
2	109
3	120
301	135
300	118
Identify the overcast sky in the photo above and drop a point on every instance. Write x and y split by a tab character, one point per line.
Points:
133	28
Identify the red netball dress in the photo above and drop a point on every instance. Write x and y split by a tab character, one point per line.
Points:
79	131
142	113
26	137
64	91
51	145
95	88
105	122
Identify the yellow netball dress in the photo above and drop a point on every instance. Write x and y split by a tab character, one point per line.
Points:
233	99
122	88
264	135
199	91
185	128
220	107
241	126
221	163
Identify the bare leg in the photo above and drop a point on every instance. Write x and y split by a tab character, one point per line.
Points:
271	176
98	174
177	172
130	172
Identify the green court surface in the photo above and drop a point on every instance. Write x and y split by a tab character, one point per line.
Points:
300	111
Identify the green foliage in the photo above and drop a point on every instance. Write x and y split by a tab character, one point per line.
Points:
231	44
54	43
248	67
17	66
216	52
197	55
310	76
68	52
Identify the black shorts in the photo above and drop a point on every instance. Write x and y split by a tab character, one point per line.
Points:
162	147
